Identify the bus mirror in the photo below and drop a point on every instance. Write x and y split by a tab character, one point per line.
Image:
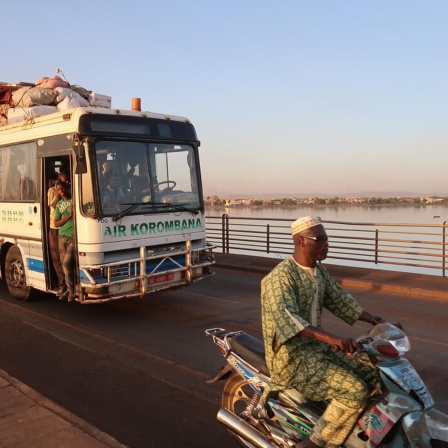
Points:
80	152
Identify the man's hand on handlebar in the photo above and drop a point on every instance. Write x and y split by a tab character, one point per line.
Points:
345	345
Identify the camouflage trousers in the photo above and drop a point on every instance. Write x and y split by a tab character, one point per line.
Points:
347	383
53	239
67	261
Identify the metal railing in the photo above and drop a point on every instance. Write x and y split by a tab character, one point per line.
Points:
407	247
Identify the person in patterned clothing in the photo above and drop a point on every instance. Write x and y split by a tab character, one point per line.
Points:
299	352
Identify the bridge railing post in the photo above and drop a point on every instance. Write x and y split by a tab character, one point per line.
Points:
225	233
444	248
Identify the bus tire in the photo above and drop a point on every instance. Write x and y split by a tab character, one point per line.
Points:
15	276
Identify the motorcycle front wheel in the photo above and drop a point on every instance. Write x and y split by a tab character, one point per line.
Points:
236	396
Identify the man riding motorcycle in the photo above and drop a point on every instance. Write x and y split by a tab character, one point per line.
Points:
299	353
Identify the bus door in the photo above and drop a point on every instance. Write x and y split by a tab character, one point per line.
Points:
53	168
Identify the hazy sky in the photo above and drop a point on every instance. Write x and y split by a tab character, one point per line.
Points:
288	97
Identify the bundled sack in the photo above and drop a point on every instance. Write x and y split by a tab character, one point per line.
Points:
62	92
82	91
51	83
26	113
72	100
33	96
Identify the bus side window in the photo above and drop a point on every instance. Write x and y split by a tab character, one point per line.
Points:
10	175
19	172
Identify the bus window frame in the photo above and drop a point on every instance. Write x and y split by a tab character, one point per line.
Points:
91	163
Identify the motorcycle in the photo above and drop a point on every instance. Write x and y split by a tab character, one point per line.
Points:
400	414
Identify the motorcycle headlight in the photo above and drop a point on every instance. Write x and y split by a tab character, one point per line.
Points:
402	345
392	334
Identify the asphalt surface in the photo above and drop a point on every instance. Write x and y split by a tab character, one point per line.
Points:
28	419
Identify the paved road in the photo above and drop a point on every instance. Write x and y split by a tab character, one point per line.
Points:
136	369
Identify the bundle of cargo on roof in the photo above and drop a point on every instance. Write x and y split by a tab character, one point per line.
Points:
22	101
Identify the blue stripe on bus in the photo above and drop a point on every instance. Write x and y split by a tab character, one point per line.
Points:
35	265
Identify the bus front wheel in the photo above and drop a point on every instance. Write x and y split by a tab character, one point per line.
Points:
15	275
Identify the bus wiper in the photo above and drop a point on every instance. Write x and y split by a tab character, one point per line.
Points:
134	205
181	207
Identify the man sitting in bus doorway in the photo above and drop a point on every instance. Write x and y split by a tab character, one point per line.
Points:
299	352
63	219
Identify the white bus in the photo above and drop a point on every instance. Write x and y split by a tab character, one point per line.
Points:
154	239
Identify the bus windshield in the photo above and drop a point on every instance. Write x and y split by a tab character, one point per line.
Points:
139	177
